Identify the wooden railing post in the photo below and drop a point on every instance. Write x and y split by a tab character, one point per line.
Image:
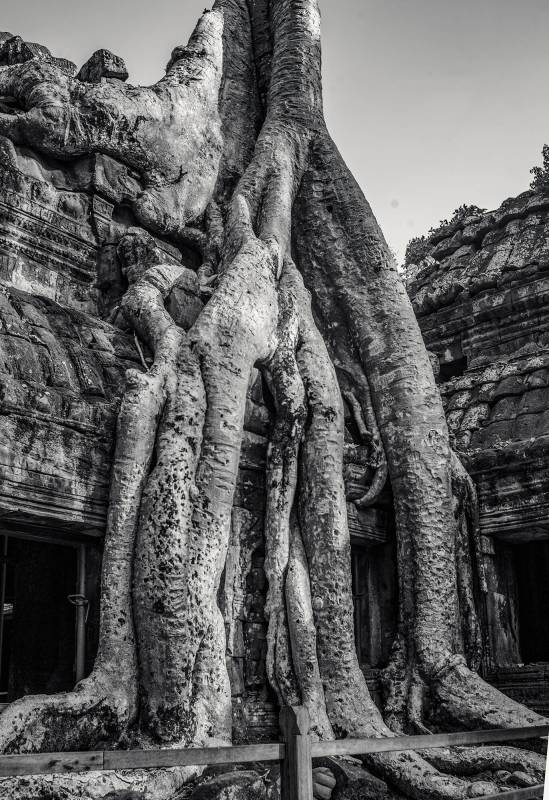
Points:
296	774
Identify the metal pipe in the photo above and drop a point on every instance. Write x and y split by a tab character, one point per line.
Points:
3	596
81	614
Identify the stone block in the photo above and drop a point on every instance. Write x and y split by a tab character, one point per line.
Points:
17	51
14	50
103	64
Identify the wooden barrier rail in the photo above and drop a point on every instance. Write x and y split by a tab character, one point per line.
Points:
425	742
295	755
57	763
531	793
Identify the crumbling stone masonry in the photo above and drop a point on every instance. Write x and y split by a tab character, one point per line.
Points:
481	295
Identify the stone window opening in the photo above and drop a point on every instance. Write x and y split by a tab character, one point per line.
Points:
452	369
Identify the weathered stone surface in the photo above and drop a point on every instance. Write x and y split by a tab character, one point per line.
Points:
61	376
485	313
522	779
13	50
527	683
103	64
484	310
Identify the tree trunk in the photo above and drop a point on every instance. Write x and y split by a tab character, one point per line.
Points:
296	280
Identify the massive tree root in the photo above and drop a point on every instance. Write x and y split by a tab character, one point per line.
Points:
233	141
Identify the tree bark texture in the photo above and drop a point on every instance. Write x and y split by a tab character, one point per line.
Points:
297	281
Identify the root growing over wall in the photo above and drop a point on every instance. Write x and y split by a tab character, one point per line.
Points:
296	280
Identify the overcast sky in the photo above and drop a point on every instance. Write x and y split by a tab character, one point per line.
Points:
433	103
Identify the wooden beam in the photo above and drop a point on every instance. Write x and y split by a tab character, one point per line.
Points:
192	756
530	793
295	754
51	763
422	742
296	774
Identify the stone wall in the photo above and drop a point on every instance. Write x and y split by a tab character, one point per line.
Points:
61	376
481	295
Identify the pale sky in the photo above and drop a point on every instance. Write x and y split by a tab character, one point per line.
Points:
433	103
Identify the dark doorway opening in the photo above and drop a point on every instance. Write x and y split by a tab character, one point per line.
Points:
374	582
42	617
532	575
452	369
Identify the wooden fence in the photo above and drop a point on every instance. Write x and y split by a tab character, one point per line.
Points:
295	755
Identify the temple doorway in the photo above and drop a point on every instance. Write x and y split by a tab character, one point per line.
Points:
374	584
44	609
532	577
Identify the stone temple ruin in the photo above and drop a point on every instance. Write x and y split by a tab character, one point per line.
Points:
481	296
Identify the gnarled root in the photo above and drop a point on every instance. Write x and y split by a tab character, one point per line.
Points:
99	709
369	435
188	411
291	655
322	514
405	692
475	760
339	247
185	523
463	698
169	133
104	705
281	480
140	784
